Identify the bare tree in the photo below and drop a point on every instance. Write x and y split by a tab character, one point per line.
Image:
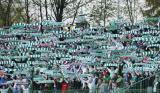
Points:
46	9
40	5
105	6
27	11
58	8
130	8
2	12
103	10
76	11
40	9
8	12
69	11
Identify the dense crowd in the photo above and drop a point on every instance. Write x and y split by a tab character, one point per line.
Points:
110	70
102	82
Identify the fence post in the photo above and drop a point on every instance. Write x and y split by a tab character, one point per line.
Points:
140	87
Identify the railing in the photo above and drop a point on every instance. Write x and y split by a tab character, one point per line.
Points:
143	86
60	91
129	90
78	91
49	91
11	90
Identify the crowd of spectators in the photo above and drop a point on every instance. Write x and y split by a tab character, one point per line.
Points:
97	76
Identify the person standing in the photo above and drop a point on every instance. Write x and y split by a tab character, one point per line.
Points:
85	89
17	88
64	86
92	84
156	85
77	85
4	89
104	87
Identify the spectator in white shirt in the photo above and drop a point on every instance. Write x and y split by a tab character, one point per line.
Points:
112	71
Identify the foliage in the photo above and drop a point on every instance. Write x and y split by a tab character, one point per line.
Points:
154	8
11	12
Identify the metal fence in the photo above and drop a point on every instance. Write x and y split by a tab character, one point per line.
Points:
144	85
79	91
60	91
147	90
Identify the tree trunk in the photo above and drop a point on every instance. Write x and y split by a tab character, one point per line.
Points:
105	13
2	14
61	9
40	10
101	9
27	11
130	11
8	12
46	9
58	8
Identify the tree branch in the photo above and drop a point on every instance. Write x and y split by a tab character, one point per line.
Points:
76	12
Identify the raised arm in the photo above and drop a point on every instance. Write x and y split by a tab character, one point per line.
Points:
109	70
